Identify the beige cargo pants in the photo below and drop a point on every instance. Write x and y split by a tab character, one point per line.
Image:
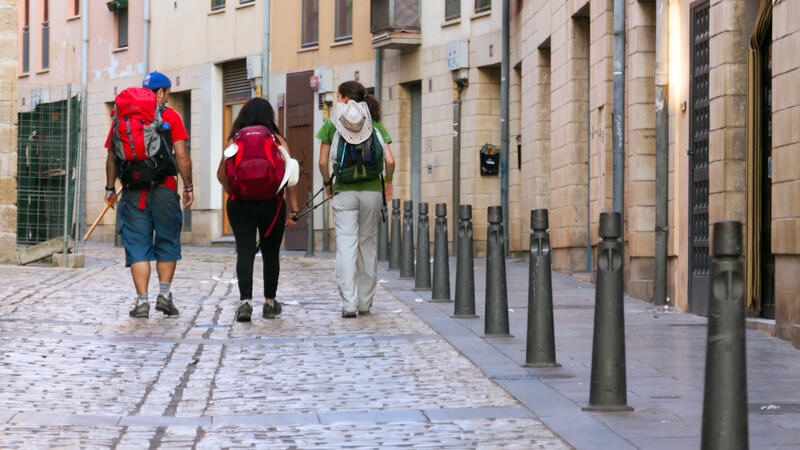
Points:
356	215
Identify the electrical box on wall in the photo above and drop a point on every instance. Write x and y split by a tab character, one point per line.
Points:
253	66
324	84
457	55
325	75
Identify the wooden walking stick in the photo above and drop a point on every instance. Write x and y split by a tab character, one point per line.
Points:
99	218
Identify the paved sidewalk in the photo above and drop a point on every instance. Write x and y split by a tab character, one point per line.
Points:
665	367
76	371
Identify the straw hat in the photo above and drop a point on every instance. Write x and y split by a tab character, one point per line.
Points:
353	121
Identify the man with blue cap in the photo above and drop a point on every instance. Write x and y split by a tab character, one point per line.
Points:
151	219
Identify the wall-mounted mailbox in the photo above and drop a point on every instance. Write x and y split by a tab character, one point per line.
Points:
490	160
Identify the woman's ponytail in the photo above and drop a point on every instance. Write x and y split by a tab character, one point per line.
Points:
374	107
357	92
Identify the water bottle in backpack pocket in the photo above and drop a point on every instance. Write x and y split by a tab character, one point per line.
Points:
140	140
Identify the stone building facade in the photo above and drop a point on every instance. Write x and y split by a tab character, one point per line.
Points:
732	145
8	131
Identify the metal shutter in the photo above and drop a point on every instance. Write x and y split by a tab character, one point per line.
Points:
235	85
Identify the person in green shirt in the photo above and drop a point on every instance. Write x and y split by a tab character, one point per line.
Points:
356	204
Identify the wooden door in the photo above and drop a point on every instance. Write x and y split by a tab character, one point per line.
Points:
300	137
231	111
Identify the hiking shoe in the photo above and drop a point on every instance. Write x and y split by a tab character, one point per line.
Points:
271	309
165	305
364	313
244	312
140	311
348	314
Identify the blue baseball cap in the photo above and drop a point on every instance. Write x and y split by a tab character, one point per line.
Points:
156	80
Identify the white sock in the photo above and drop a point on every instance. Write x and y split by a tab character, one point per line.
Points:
141	298
163	288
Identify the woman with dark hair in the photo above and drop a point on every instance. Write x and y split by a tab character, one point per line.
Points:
268	217
362	169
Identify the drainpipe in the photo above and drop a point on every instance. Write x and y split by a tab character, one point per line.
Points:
458	87
378	73
265	60
504	153
619	104
662	150
146	40
589	172
80	199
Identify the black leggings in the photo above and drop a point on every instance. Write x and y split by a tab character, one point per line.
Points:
245	218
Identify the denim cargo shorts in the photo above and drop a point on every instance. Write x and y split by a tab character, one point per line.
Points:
152	233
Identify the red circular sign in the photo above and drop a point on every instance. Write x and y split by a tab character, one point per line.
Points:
313	81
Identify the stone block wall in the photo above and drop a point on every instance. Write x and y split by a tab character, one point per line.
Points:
640	149
8	131
786	165
728	102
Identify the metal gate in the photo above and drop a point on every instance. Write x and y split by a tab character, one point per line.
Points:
767	258
699	261
416	149
46	175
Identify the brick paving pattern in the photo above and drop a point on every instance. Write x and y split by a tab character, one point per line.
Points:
75	370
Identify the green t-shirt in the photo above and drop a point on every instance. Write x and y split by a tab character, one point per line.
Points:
325	134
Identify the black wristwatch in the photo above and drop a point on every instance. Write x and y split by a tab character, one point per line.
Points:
110	190
328	183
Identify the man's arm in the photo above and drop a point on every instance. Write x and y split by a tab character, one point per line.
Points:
185	170
111	178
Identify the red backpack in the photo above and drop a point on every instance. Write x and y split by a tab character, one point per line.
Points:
257	169
142	148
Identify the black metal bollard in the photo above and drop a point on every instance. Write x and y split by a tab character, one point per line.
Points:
725	395
441	259
608	390
496	318
540	349
397	237
383	236
407	252
422	271
465	266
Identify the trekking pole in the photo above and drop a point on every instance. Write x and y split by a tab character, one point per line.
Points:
305	212
99	218
309	203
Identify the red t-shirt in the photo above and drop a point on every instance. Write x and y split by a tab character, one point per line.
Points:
178	133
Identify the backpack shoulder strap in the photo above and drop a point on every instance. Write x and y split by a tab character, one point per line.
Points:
335	143
380	138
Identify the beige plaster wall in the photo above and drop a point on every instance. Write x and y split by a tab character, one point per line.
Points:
288	55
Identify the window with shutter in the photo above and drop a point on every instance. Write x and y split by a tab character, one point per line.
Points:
344	19
235	85
483	5
452	9
310	25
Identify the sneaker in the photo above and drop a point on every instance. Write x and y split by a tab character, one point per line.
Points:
165	305
271	309
348	314
244	312
140	311
364	313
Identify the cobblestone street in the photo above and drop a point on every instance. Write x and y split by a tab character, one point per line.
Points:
76	371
